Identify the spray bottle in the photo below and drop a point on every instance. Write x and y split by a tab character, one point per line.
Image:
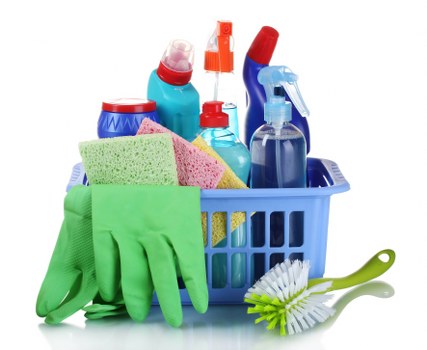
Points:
178	102
278	159
219	64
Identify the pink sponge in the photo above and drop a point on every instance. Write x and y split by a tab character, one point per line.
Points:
195	167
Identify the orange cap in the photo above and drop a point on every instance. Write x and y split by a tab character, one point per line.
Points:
219	55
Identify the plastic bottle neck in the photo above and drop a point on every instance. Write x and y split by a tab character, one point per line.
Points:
215	128
171	77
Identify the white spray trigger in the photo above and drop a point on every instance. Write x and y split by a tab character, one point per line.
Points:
276	76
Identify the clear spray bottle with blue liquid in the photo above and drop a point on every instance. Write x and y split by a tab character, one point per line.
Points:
278	160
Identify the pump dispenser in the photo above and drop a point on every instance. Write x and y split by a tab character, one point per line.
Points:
178	102
278	160
219	65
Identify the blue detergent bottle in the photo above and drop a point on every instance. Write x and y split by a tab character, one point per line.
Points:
278	160
215	131
178	102
258	57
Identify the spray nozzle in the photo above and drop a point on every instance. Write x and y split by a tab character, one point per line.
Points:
219	55
277	109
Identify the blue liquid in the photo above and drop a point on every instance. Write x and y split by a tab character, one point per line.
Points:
237	158
278	160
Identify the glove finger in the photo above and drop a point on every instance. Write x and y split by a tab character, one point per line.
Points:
85	294
103	314
137	286
95	308
163	272
106	263
193	273
55	287
189	249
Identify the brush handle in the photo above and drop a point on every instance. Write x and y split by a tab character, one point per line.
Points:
373	268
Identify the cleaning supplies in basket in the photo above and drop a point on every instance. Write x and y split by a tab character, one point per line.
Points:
278	160
285	297
215	132
178	104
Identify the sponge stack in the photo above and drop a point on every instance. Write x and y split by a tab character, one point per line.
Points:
195	168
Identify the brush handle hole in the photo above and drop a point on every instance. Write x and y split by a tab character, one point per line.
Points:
384	257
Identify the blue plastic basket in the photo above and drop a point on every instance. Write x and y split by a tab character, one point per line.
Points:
325	179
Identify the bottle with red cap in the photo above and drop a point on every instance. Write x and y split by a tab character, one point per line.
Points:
219	65
178	102
123	116
215	131
257	57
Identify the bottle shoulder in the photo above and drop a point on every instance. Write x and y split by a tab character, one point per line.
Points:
209	134
222	137
154	79
285	131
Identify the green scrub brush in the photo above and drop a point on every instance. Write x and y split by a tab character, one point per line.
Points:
285	297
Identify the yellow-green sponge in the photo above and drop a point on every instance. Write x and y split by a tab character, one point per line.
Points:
229	180
138	160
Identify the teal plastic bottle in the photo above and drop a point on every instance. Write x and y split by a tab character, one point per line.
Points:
215	131
178	102
278	160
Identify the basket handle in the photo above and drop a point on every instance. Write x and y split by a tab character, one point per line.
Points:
335	175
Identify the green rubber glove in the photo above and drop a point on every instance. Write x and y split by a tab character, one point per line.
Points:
70	281
140	233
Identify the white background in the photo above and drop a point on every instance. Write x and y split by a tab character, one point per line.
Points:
363	72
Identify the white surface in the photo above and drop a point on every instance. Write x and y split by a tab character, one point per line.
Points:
363	73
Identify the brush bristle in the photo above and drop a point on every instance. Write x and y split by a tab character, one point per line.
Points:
282	298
